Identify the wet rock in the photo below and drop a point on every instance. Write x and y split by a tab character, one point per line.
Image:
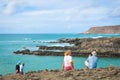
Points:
26	51
109	47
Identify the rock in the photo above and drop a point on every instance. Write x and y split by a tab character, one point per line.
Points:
107	47
1	78
66	74
111	67
71	78
26	51
35	78
92	74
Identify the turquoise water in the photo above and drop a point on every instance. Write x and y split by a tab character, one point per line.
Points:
13	42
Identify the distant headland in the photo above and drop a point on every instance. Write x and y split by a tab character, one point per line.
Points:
104	30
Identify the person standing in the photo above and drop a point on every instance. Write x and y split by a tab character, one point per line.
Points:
68	62
17	69
21	68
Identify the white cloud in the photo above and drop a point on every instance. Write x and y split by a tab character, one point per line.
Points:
12	5
40	2
16	5
94	13
36	13
50	13
10	8
68	15
116	12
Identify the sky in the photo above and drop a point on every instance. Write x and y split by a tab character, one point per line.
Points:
57	16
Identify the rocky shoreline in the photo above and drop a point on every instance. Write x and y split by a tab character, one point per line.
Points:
106	47
110	73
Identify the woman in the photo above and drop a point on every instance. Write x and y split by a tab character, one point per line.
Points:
17	69
68	62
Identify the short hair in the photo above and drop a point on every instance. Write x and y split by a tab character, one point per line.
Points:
94	53
90	54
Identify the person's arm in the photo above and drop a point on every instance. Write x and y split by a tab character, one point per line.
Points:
72	65
63	66
87	59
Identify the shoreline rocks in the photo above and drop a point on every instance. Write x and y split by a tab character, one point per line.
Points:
105	47
110	73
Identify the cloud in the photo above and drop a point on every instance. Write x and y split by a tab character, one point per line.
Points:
116	12
9	8
94	13
64	16
76	13
39	12
67	14
14	6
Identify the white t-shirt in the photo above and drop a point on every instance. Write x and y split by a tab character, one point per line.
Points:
67	61
21	68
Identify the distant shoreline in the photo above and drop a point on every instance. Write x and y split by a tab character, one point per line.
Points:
114	29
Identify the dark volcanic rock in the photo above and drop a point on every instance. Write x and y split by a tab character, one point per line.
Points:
109	47
26	51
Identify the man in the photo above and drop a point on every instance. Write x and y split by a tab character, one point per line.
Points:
21	68
91	62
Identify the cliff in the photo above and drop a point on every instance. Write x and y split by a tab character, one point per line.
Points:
104	30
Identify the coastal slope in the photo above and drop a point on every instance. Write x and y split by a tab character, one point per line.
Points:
104	30
110	73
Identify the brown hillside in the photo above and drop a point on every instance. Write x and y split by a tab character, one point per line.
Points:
105	30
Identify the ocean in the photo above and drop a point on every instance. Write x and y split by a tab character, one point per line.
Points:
13	42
